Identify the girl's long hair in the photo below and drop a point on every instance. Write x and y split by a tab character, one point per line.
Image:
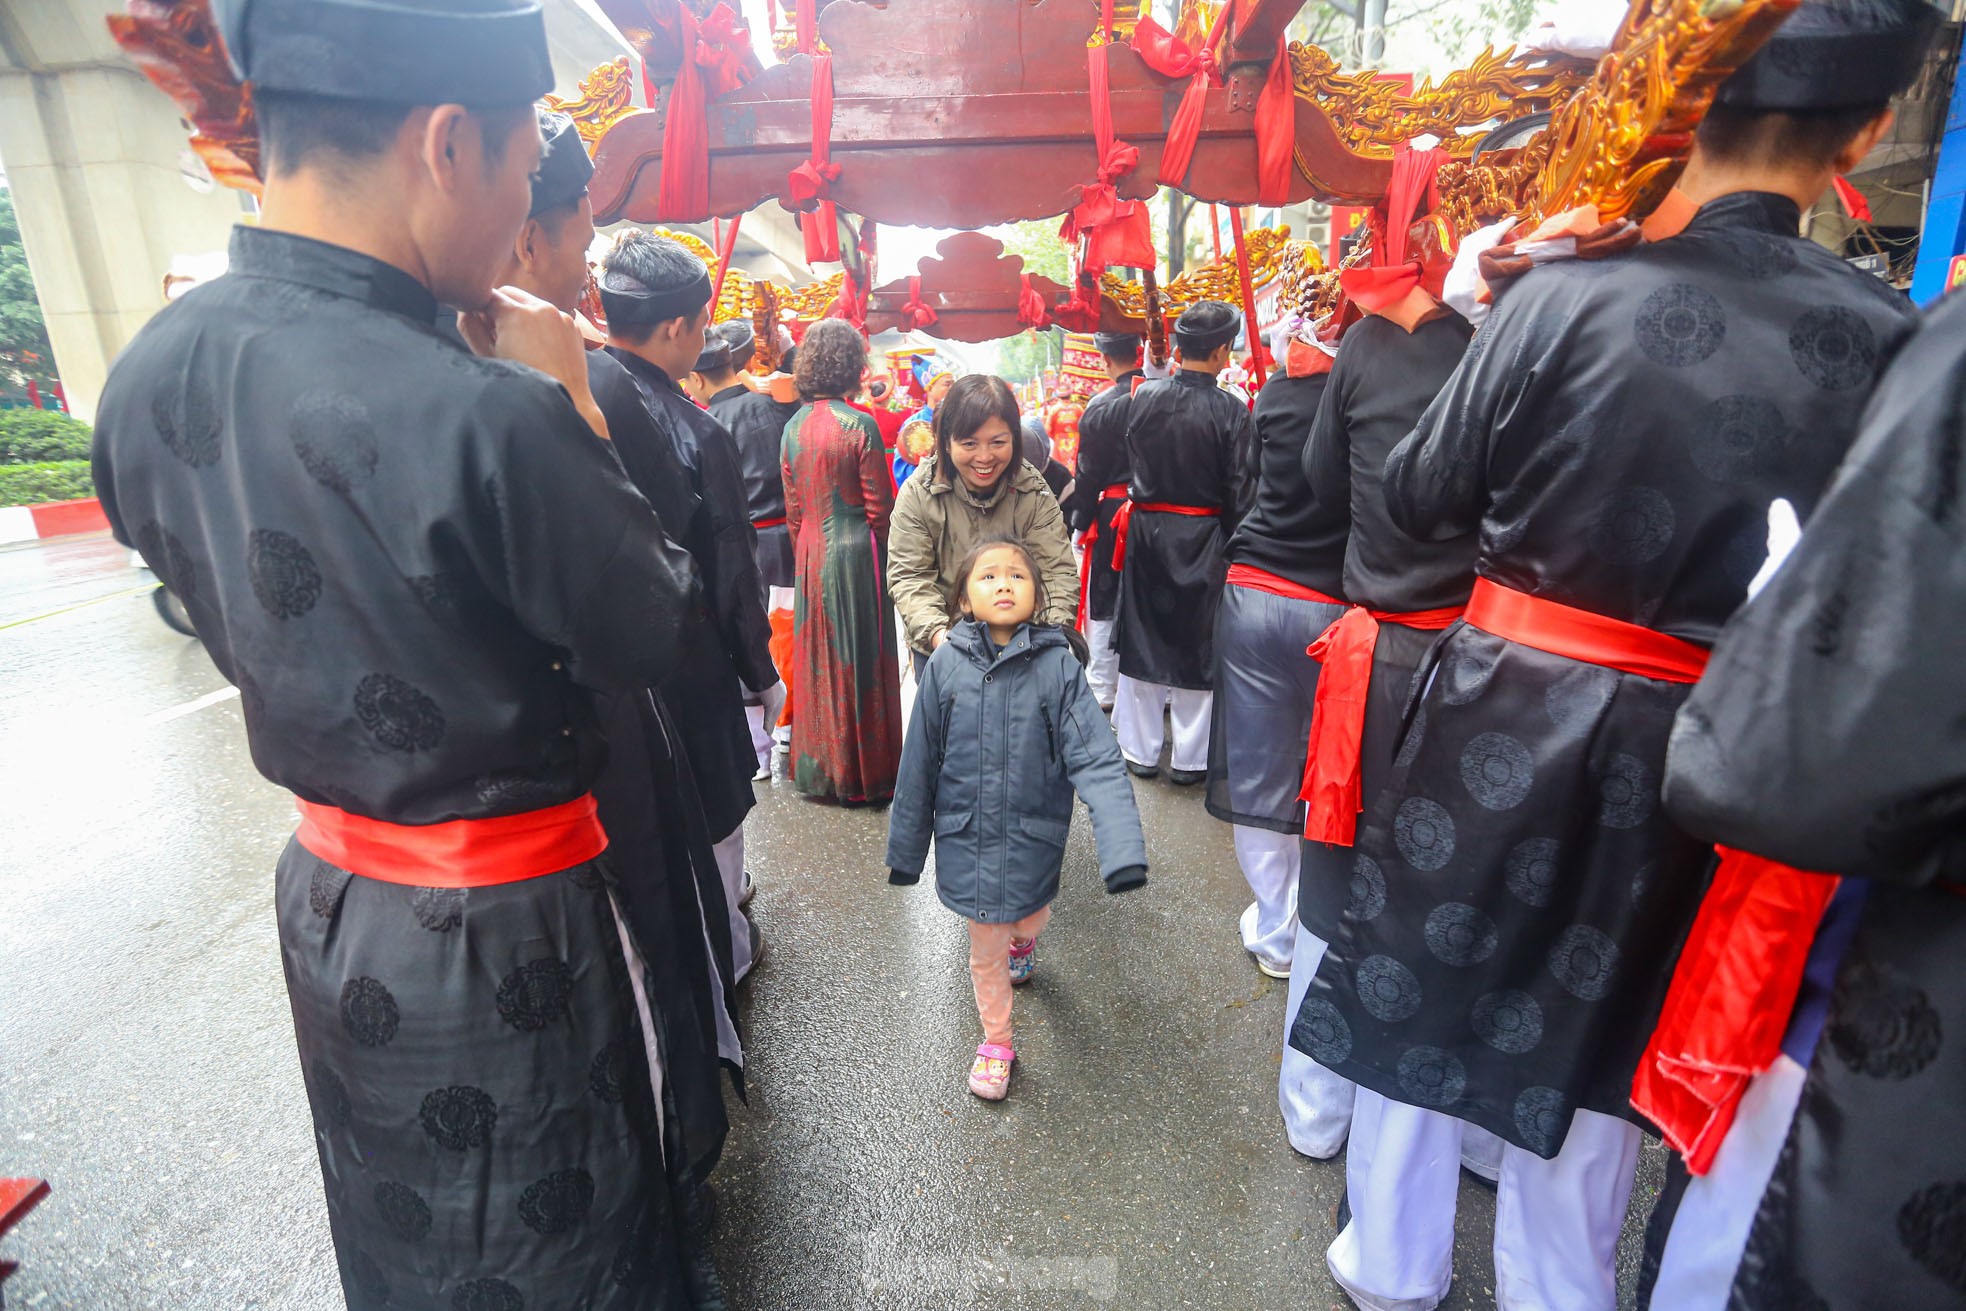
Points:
973	400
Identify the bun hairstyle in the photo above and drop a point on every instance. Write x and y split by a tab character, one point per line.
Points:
974	400
988	544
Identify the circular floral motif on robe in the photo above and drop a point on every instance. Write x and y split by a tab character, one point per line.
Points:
1834	347
1627	793
1542	1117
1464	674
1387	989
167	558
438	909
1320	1030
1508	1020
403	1210
1368	892
607	1074
1881	1024
367	1276
1431	1077
332	1109
1584	961
511	790
188	421
1634	525
557	1202
487	1295
1680	325
1932	1226
1424	833
1576	697
284	577
326	887
441	594
1741	439
334	437
397	715
460	1117
533	996
1458	934
1759	255
368	1012
1531	870
1497	771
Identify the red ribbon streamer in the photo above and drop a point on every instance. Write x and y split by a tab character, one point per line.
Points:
805	24
1031	309
728	244
813	179
1854	203
920	314
1256	351
683	194
1170	56
1276	130
1392	276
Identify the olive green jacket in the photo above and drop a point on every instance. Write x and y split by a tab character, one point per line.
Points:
934	526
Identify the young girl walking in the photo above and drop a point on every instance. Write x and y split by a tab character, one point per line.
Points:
1004	730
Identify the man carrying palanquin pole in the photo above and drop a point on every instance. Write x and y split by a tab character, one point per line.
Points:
1615	436
1097	491
417	565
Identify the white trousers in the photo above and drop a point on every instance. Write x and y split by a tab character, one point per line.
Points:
1270	862
1710	1230
1137	709
1316	1104
1556	1222
763	718
730	868
1104	670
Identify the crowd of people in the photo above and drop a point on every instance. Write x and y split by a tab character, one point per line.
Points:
1473	631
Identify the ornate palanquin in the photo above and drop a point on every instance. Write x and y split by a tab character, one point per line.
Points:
967	113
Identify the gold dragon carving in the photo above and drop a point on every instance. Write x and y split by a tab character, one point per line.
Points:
607	95
1268	249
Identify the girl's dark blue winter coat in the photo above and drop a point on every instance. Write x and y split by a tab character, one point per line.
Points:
996	747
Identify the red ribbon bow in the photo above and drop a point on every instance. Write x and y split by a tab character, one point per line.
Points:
813	179
721	44
1031	309
919	313
1115	231
1170	56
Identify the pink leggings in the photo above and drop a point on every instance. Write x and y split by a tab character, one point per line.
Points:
989	969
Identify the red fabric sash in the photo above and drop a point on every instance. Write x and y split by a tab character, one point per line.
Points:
813	179
1331	766
1262	580
1170	56
779	522
458	853
1116	492
1123	521
1734	987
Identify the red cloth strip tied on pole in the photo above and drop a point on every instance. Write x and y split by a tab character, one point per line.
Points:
716	45
919	312
812	180
1170	56
1031	311
1259	364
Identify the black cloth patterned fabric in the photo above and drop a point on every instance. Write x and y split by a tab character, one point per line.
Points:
1102	463
756	423
1289	531
1615	434
1188	442
1827	733
419	567
706	694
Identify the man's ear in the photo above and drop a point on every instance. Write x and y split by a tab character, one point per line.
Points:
442	141
1860	146
527	246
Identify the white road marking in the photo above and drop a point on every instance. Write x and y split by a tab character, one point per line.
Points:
192	707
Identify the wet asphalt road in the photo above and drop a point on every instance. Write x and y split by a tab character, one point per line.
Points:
147	1065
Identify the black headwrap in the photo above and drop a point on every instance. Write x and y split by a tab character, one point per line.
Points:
483	53
631	303
1206	326
742	341
564	167
1118	345
715	357
1835	54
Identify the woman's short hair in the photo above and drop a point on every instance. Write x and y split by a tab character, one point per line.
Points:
974	400
968	566
830	360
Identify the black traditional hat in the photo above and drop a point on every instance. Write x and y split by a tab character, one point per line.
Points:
738	335
1206	326
483	53
564	167
629	302
1835	54
1117	345
715	357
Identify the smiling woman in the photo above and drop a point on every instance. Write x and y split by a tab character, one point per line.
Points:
977	485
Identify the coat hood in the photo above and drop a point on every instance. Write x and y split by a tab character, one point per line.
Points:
973	639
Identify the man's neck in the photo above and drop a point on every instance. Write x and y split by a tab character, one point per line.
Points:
630	348
310	204
1210	371
1704	182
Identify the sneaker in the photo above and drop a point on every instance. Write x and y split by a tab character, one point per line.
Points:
1023	959
1186	778
1272	971
764	772
1142	771
989	1076
750	890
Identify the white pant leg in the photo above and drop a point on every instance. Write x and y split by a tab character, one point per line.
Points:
1104	670
1191	712
1710	1229
730	867
1557	1222
1481	1152
1316	1104
1269	861
762	717
1402	1177
1137	709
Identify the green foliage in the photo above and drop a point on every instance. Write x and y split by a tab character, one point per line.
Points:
29	436
24	349
1027	355
51	480
1043	252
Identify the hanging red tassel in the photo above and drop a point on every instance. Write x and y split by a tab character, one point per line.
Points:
683	195
919	313
1276	130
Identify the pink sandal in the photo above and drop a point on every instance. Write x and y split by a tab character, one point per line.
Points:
989	1077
